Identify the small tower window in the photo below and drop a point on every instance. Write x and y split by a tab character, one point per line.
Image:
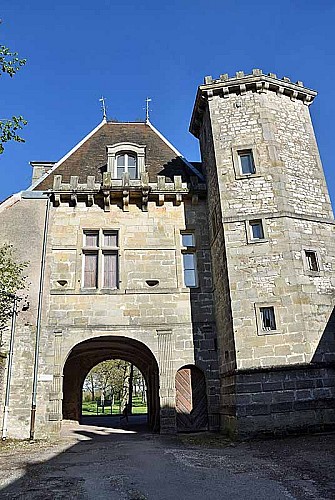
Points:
312	260
256	230
126	162
246	161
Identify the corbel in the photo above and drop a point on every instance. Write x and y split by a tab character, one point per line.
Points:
294	95
145	190
179	199
280	90
265	87
161	199
56	199
73	187
90	187
243	89
125	192
107	199
258	87
225	92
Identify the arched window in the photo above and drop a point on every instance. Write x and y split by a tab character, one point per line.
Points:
126	162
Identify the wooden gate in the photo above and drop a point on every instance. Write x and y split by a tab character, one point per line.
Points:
191	401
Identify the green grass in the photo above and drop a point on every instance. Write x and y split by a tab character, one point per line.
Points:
90	408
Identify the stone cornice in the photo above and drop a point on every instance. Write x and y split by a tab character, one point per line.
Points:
240	84
126	190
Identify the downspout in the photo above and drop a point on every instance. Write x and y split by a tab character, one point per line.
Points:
38	322
10	367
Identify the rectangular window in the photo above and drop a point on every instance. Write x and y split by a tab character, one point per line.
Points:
100	261
246	161
189	260
312	260
256	230
268	320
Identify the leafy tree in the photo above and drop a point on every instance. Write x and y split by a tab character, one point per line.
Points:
10	63
12	280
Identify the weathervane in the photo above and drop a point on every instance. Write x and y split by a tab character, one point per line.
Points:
147	109
103	107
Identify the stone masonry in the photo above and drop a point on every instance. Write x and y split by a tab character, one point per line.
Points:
256	330
270	380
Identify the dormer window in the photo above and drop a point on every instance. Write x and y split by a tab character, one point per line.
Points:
126	158
126	162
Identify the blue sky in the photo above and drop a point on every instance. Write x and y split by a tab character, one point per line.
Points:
128	50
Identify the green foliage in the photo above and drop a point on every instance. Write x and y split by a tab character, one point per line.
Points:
8	130
12	280
10	63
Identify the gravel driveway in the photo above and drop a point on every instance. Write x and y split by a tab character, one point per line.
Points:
99	462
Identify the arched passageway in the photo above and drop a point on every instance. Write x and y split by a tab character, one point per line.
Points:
84	356
191	400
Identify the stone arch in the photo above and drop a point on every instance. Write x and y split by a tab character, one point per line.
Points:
87	354
191	399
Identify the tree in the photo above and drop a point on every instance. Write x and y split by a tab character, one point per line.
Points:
12	280
10	63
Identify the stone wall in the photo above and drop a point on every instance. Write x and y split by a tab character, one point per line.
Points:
288	194
149	249
22	222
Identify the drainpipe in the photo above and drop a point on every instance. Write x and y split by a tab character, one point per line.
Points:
38	322
10	364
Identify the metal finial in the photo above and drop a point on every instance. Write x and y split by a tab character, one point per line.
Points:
147	109
103	107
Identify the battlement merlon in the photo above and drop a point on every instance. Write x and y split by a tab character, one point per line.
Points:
240	85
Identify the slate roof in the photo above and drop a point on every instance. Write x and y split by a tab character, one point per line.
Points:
91	157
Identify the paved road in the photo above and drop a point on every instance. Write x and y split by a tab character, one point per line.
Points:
100	462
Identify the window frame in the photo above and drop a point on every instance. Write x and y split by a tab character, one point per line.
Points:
113	151
307	269
259	318
100	251
189	250
236	154
125	167
249	234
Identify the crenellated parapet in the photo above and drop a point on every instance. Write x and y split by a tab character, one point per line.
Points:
240	84
125	191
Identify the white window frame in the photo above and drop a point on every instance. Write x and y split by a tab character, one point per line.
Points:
100	250
125	167
189	250
115	150
249	232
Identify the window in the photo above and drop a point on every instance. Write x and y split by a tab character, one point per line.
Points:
268	320
100	259
189	260
312	261
256	229
126	162
246	161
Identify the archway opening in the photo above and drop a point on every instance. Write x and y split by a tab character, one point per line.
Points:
114	388
88	354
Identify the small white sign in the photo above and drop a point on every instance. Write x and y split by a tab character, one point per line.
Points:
45	377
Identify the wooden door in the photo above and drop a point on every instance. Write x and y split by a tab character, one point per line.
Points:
191	401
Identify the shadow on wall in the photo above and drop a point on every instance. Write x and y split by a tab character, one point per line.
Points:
325	351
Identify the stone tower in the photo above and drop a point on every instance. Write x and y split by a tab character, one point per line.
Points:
273	252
